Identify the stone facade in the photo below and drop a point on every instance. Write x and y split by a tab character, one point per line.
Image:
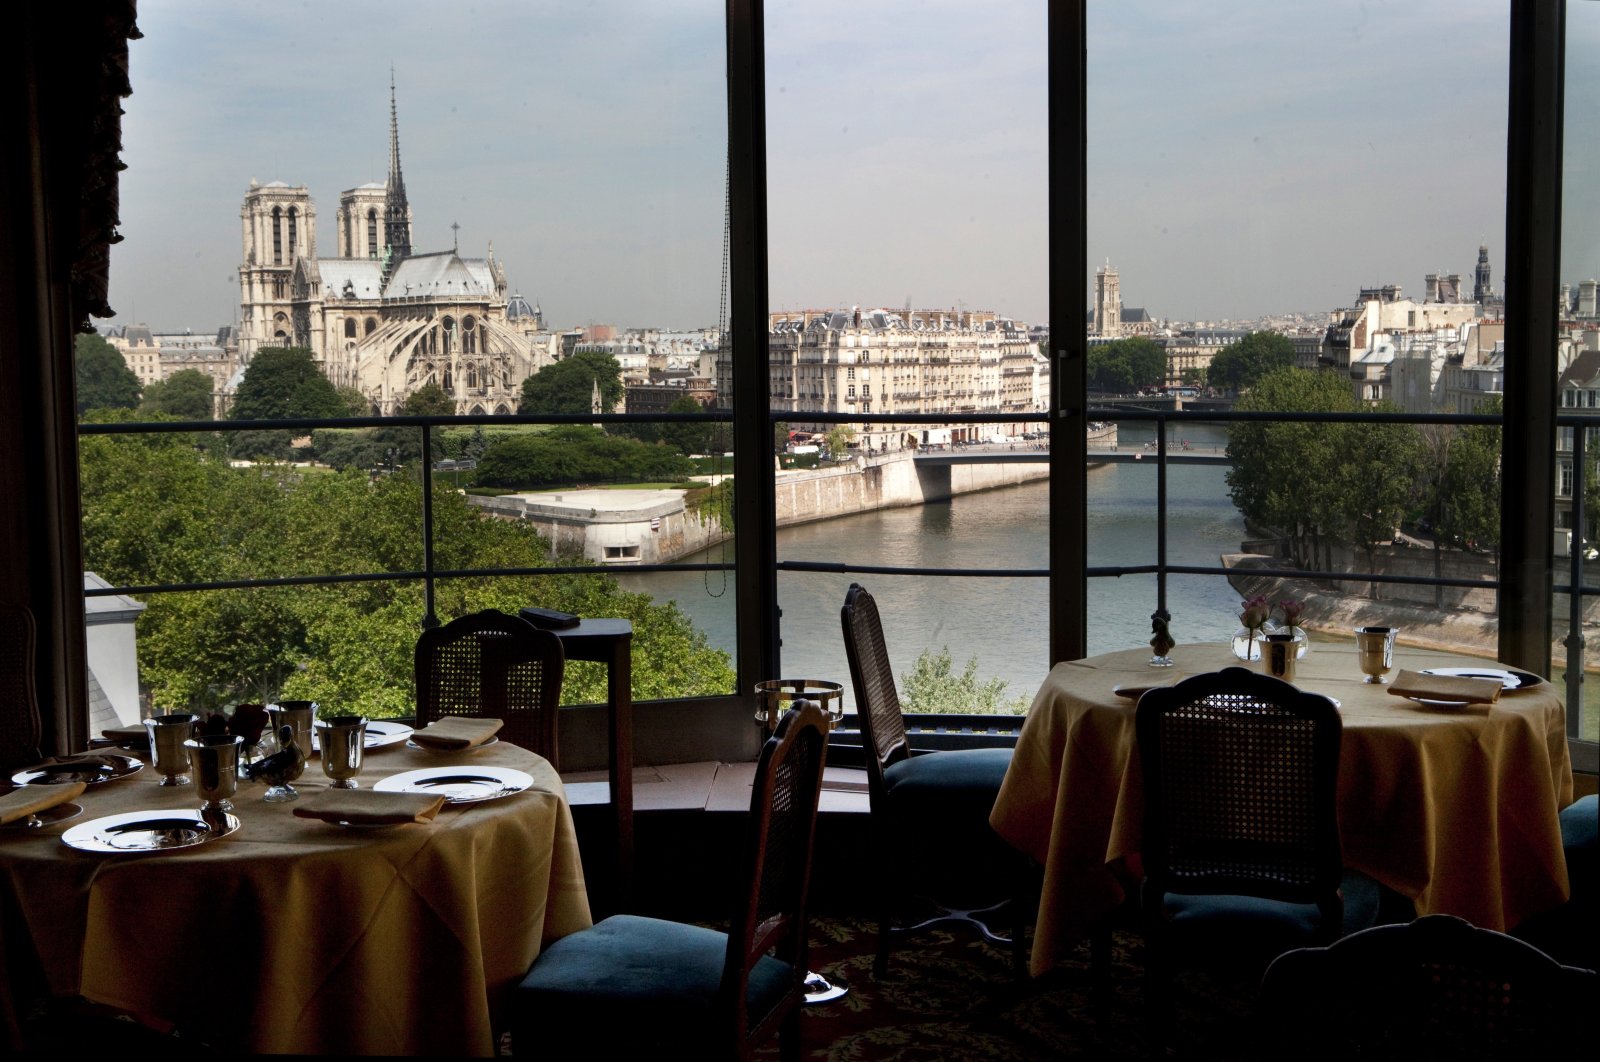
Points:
907	361
378	317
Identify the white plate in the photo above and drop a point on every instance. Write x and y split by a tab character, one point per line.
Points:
412	744
1431	703
458	785
1509	680
148	831
92	769
379	734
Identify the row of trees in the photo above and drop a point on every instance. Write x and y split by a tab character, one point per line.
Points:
156	510
1124	366
1320	484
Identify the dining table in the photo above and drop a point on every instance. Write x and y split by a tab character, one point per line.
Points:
293	935
1454	806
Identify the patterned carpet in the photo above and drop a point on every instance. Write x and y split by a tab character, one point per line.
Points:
950	995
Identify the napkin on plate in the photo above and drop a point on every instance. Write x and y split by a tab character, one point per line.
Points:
32	799
127	735
1445	688
456	732
368	807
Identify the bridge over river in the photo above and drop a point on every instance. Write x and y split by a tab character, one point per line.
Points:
1008	453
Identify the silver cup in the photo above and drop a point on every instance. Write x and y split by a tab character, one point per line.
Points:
168	757
214	758
300	715
1278	653
342	739
1375	651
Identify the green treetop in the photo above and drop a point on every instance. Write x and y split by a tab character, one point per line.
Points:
568	385
282	383
104	379
1126	365
185	394
1241	363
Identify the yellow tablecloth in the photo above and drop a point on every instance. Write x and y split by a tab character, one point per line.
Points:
1454	808
298	936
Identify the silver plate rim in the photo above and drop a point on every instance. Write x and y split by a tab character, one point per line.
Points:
510	781
88	836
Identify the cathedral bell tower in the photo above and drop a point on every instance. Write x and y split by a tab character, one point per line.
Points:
278	224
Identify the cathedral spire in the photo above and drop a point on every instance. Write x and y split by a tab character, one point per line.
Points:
397	212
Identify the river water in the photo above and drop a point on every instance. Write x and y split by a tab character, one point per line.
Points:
1000	622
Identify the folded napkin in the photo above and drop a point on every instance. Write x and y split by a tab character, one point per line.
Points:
1445	688
32	799
367	807
1134	690
127	735
456	732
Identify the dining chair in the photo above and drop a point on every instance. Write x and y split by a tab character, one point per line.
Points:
493	666
1437	987
641	987
1240	848
20	728
936	804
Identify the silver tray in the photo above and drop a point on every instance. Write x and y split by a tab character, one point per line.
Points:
458	785
93	769
149	831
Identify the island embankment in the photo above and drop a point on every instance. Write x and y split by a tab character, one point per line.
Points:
1466	623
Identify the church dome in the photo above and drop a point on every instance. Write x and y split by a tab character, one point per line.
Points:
519	307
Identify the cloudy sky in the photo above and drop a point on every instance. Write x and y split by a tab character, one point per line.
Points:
1245	158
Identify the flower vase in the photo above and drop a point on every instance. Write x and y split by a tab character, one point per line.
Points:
1302	644
1247	643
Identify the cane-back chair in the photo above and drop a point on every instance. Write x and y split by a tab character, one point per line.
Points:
936	804
1437	987
493	666
1240	848
641	987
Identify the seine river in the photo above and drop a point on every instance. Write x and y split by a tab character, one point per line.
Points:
1000	622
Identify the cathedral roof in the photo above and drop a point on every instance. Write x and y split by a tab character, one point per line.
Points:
440	275
363	275
519	307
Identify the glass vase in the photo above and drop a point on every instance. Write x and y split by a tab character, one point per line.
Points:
1247	643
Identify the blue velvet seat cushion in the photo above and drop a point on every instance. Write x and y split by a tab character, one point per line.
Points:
636	981
1580	826
1252	928
961	782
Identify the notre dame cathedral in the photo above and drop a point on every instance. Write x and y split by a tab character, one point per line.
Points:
380	317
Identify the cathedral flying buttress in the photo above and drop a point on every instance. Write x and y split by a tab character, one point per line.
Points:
381	318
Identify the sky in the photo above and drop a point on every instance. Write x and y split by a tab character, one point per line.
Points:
1245	158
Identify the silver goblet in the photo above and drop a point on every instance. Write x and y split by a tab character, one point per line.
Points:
1375	651
214	758
342	740
168	756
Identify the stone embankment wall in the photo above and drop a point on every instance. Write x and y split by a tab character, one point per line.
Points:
889	481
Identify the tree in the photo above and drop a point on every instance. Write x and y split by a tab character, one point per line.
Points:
280	383
1126	365
1459	483
568	385
283	383
355	403
838	440
689	437
104	379
429	400
577	453
1374	481
186	394
933	687
1237	366
158	511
